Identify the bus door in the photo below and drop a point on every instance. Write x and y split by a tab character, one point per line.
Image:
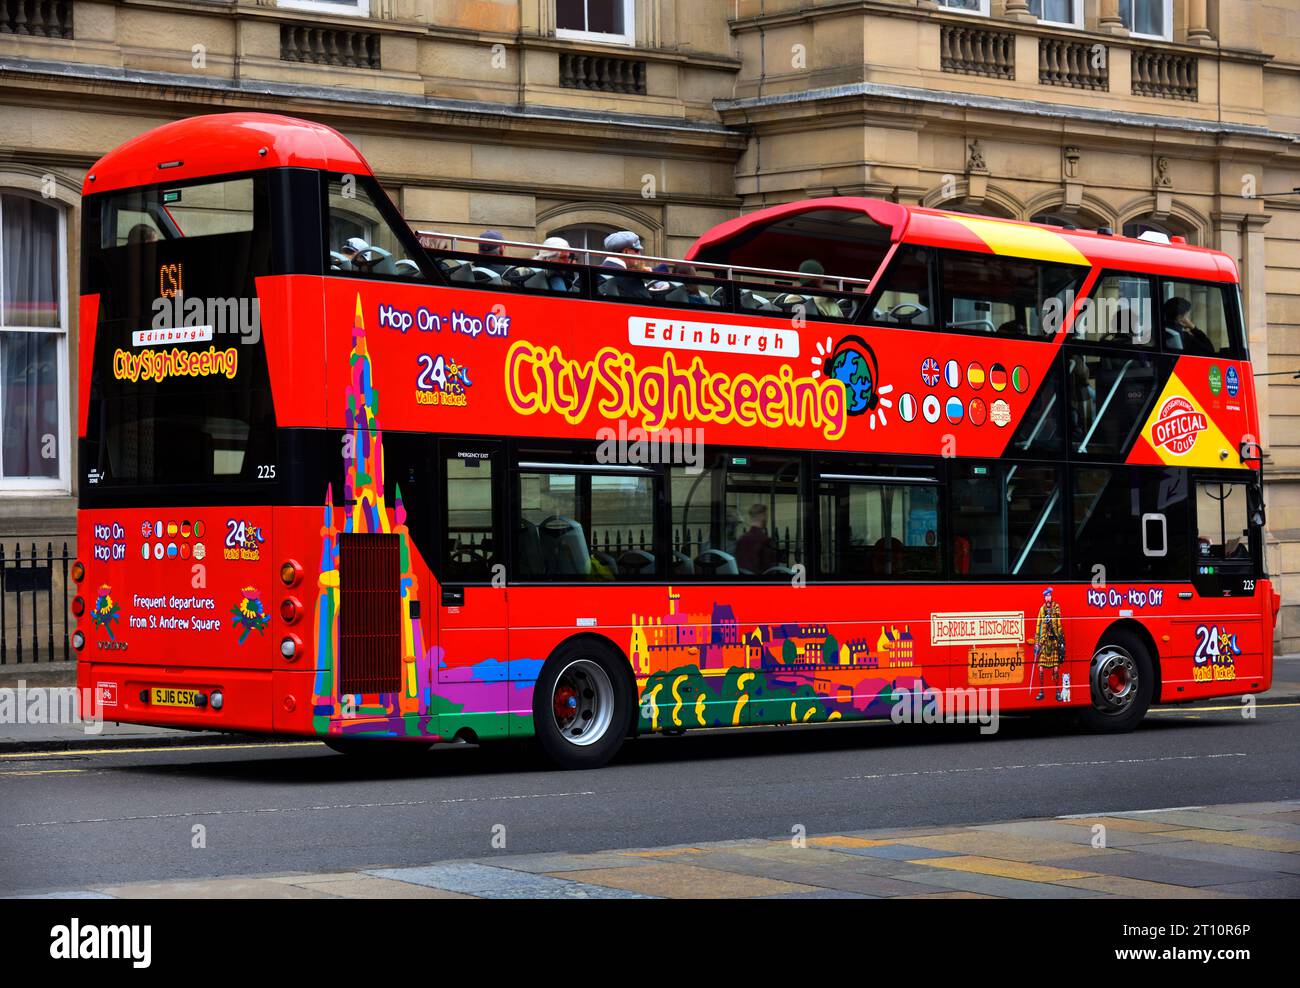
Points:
471	672
1226	637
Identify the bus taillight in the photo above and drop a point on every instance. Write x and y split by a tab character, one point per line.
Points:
78	606
290	572
290	609
78	640
290	647
78	572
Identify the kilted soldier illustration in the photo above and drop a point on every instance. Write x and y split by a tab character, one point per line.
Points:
1049	645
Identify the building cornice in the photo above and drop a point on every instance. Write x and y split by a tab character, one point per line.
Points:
464	112
1065	112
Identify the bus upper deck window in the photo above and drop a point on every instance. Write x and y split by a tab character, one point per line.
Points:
363	240
1194	319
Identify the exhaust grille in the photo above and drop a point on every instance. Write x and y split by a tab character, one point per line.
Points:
370	618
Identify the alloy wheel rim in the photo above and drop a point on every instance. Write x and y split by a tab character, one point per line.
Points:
1114	679
582	702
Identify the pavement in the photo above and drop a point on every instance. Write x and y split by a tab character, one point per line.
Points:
1201	800
67	735
1231	851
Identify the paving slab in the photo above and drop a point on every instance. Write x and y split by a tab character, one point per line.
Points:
847	876
1135	888
1267	888
1151	866
1008	869
681	881
1237	838
1202	819
1012	847
491	882
1007	888
1243	857
213	888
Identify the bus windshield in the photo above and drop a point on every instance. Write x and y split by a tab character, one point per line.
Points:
179	393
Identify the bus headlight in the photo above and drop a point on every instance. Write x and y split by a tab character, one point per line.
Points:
290	646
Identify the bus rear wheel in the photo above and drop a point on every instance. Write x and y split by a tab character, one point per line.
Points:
1121	679
582	705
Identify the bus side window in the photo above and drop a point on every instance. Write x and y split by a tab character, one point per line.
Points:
1222	523
1006	296
1121	312
739	517
360	239
903	295
1117	534
1006	519
877	524
470	546
1194	319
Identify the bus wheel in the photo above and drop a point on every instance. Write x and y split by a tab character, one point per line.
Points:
582	705
384	749
1122	679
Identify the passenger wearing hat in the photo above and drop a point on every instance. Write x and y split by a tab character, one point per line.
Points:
485	246
558	251
625	250
824	305
1049	645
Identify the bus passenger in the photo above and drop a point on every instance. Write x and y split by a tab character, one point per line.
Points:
1181	333
825	306
626	245
755	550
492	250
558	251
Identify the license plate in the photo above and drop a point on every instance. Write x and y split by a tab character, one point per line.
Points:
163	696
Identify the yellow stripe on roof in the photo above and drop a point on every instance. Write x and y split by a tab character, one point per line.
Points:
1017	240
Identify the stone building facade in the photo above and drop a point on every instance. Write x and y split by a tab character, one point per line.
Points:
538	117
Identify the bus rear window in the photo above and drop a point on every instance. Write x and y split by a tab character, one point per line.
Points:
142	216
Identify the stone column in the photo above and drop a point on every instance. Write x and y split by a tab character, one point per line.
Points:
1198	23
1018	10
1110	22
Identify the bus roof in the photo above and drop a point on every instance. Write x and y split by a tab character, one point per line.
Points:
845	226
222	144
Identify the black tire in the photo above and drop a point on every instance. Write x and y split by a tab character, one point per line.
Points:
593	683
378	749
1121	682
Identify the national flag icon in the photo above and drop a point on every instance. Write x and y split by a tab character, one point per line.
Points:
1001	413
907	406
930	409
998	377
954	410
1020	379
930	372
975	374
952	373
978	411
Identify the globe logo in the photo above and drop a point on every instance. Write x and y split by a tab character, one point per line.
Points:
853	364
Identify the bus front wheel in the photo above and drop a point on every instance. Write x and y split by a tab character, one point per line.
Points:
1121	679
582	705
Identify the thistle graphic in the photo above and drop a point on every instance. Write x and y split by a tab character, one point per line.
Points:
105	611
248	614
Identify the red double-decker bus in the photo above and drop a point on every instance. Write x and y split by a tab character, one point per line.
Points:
347	481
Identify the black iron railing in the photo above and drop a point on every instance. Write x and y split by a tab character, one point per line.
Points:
34	595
